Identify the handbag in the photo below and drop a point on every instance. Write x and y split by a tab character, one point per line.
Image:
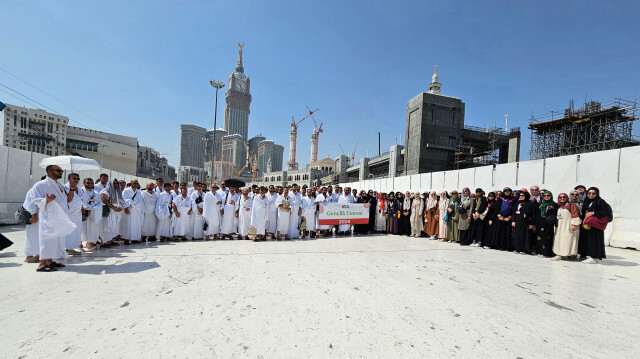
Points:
595	222
446	217
22	215
105	210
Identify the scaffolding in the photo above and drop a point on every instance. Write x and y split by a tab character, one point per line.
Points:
594	127
467	155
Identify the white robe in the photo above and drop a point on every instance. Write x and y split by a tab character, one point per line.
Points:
31	232
320	198
111	224
163	214
74	239
309	213
181	224
294	219
283	217
259	214
91	226
244	206
211	213
229	223
132	222
196	217
272	213
149	221
345	199
54	221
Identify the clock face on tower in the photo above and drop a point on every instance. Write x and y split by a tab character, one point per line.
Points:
240	85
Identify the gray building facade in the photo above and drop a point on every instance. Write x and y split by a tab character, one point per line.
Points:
192	145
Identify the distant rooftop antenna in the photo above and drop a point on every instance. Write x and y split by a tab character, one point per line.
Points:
506	123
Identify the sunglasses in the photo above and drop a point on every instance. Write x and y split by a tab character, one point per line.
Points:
562	196
59	171
574	195
547	195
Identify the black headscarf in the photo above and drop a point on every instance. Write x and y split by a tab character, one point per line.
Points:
527	195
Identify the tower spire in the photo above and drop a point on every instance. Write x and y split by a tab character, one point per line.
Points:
239	67
434	87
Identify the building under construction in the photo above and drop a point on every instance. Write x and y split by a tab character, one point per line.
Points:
594	127
486	146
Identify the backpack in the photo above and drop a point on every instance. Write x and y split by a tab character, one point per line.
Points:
505	208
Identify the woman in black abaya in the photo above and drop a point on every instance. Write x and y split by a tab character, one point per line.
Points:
522	223
591	243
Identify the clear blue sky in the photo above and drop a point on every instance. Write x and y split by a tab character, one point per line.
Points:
143	67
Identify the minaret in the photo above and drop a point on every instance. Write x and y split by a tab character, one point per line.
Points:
314	144
434	87
291	164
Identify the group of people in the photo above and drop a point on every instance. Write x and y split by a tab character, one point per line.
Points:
523	221
75	217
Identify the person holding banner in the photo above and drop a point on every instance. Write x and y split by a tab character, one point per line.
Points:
321	198
345	198
309	212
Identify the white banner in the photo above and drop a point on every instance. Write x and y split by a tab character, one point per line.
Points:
343	213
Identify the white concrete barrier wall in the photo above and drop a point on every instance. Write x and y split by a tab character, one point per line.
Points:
15	181
615	172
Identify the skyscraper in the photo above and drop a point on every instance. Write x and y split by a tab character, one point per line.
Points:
238	98
192	145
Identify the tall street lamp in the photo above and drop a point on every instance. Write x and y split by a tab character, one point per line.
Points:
218	85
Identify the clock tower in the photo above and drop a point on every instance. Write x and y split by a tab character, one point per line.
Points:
238	98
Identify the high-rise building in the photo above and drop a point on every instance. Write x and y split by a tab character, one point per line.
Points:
192	146
233	151
33	130
238	98
254	142
269	157
219	134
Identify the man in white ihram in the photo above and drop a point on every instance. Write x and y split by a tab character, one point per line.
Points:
133	213
259	214
295	199
92	213
54	223
149	220
211	212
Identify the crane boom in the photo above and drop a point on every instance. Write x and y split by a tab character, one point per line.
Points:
291	165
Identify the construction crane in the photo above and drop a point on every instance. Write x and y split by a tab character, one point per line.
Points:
293	139
315	138
249	162
353	155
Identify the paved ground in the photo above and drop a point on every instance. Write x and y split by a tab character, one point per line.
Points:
373	297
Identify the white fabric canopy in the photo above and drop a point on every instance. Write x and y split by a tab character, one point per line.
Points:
71	163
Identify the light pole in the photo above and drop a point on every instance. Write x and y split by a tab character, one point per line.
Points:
102	155
218	85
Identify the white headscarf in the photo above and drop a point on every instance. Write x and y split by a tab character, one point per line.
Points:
432	201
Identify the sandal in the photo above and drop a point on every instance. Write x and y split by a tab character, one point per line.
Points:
46	269
56	265
31	260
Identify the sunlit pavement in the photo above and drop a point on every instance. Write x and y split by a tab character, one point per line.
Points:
364	296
